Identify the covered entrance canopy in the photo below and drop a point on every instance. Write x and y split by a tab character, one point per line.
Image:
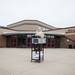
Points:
24	40
19	40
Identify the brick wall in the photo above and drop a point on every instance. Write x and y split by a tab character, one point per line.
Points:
2	41
66	42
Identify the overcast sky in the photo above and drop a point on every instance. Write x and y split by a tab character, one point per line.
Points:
59	13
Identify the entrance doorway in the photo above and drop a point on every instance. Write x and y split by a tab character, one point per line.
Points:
52	41
19	41
11	41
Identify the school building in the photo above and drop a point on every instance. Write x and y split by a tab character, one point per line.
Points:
19	35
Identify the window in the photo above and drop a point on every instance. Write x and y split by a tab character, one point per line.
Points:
52	36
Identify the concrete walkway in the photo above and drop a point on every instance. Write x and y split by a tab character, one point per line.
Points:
15	61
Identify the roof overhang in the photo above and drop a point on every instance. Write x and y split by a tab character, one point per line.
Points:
27	32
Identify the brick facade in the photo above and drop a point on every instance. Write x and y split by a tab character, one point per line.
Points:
2	41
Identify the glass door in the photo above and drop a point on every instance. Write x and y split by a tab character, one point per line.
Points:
21	40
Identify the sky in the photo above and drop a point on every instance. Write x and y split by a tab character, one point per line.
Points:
59	13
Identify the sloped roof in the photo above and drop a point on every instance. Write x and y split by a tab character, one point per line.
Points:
60	31
5	29
57	31
31	22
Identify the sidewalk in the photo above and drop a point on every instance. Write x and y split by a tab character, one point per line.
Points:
14	61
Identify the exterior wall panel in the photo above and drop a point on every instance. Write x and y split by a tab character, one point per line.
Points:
2	41
65	43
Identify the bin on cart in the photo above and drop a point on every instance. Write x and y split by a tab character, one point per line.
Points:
37	50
